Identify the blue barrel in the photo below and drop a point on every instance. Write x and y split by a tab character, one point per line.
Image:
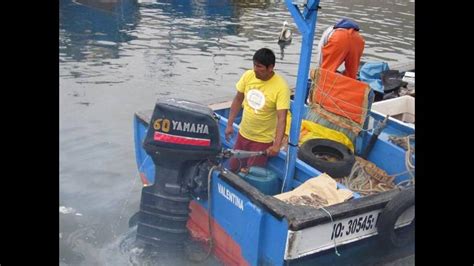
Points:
263	179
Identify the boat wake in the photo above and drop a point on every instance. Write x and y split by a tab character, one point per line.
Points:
126	250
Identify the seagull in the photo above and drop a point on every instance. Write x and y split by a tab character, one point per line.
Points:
285	34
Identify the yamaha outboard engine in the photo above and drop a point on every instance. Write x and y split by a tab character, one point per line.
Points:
183	142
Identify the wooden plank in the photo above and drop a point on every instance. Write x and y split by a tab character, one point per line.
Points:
408	65
145	115
220	105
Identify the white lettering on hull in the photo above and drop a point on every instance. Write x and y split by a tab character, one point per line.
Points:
230	196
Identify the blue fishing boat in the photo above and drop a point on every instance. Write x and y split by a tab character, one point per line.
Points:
303	207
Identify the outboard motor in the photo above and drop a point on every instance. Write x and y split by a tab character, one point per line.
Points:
183	142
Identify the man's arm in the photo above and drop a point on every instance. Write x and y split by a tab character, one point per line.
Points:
280	131
234	110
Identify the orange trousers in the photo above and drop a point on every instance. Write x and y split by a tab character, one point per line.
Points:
344	45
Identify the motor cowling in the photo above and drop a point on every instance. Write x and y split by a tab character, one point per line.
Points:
183	141
180	134
183	129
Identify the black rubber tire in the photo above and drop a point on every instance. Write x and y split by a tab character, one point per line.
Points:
345	158
388	236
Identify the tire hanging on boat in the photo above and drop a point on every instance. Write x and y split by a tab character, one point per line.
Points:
327	156
388	235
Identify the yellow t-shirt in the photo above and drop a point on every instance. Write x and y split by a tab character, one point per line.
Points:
262	100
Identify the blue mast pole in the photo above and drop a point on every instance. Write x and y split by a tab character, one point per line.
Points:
306	22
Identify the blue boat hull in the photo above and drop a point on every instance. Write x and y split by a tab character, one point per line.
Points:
250	228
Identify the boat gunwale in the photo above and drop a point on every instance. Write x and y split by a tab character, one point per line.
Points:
300	217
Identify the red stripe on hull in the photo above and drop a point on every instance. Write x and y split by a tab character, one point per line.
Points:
225	248
144	179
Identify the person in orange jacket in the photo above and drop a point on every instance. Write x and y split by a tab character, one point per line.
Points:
341	43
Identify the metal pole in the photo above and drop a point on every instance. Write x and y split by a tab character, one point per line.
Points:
306	22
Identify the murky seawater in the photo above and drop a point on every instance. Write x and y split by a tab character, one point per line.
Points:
118	60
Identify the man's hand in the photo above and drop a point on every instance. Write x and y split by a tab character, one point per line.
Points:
273	150
229	132
234	110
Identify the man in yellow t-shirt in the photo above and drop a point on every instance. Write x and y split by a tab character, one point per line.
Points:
265	97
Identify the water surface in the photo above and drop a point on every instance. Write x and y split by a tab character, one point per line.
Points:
120	59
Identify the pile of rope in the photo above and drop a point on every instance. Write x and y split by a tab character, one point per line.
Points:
313	200
405	143
366	178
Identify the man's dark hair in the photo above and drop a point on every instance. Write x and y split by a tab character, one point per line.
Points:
264	56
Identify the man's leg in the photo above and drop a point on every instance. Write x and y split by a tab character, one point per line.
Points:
236	164
335	50
355	53
258	160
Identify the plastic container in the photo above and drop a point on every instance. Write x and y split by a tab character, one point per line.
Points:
263	179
